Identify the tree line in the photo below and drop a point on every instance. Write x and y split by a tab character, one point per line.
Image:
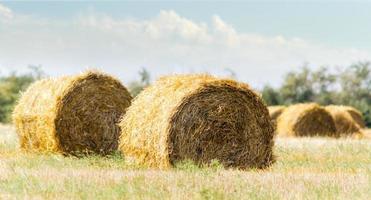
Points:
345	86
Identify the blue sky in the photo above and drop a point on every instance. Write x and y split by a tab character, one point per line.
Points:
259	40
345	23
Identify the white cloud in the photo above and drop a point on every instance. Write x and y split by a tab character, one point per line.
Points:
166	43
5	12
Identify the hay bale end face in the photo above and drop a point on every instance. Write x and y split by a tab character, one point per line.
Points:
74	114
198	118
345	123
306	120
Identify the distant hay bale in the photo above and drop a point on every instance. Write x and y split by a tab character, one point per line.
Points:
344	121
198	118
275	111
306	120
366	133
72	114
356	115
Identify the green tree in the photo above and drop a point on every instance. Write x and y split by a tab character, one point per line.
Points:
323	85
350	86
10	88
271	96
297	87
355	82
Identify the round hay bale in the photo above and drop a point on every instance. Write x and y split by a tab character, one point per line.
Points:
366	133
72	114
198	118
275	112
344	121
306	120
356	115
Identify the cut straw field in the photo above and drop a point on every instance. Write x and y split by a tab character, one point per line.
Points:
306	168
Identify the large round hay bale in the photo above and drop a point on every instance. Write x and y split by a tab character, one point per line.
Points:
198	118
275	111
344	121
306	120
73	114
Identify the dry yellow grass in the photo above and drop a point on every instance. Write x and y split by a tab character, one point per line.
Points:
306	168
200	118
306	120
72	114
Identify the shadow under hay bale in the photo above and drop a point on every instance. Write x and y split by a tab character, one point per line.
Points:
306	120
198	118
344	121
72	115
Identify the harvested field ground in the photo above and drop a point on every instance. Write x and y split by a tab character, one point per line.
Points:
306	168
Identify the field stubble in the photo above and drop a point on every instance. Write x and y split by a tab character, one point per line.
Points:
306	168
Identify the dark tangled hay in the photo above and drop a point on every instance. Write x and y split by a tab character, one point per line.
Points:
198	118
74	114
306	120
344	120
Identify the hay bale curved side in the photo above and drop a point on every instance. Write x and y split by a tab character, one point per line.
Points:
198	118
344	121
275	111
73	114
306	120
356	115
